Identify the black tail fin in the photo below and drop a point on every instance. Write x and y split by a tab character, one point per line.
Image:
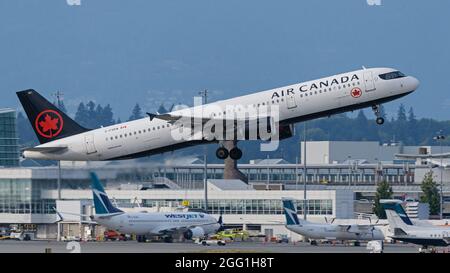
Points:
49	123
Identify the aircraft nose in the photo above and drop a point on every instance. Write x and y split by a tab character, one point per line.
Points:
414	83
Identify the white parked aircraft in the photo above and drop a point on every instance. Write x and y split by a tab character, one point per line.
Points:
166	224
317	231
405	230
62	138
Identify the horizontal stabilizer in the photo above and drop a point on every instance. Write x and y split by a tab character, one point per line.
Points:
46	149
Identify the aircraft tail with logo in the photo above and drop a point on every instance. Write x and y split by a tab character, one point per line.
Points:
48	122
396	215
290	211
102	204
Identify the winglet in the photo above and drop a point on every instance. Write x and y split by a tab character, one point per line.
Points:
151	116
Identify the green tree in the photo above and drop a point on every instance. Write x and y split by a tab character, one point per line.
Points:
382	112
136	113
384	191
162	109
107	116
430	193
81	116
401	114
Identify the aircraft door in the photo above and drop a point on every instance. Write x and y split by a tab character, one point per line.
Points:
368	81
90	147
290	101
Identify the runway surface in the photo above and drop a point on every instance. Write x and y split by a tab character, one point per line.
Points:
8	246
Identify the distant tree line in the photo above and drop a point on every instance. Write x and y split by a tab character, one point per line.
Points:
404	128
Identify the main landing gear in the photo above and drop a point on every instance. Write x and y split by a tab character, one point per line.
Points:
223	153
376	110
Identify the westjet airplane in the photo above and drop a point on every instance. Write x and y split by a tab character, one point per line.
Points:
405	230
62	138
165	224
317	231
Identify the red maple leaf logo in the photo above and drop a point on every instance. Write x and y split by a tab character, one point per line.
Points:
356	92
49	123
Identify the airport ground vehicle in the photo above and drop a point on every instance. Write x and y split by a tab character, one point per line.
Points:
70	238
375	246
233	234
211	241
20	236
111	235
282	238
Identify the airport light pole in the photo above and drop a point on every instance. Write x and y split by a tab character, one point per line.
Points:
349	171
440	137
296	173
59	180
204	94
305	207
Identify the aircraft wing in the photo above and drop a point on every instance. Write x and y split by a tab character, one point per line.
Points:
344	228
180	229
173	118
61	218
414	156
46	149
356	228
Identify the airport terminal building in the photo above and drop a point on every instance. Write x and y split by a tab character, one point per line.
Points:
28	195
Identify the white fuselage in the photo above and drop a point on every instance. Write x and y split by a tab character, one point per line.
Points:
159	223
428	232
297	102
336	232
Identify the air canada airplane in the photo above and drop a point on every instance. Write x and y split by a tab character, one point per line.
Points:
405	230
316	231
62	138
165	224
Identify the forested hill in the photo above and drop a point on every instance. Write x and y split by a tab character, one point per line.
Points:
404	128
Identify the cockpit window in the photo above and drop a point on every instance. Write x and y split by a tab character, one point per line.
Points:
392	75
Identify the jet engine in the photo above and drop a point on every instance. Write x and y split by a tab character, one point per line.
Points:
194	233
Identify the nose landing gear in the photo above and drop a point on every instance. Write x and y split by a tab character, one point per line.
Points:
376	110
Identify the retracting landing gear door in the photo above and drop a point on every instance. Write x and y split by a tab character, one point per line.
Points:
368	81
90	147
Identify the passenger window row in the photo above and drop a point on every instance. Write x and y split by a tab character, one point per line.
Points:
329	89
138	132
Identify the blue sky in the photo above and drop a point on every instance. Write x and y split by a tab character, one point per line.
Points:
123	52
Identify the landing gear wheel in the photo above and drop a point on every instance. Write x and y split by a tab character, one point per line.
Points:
222	153
141	238
235	153
168	240
379	120
376	111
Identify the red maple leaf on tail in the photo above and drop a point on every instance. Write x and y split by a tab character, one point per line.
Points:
49	123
